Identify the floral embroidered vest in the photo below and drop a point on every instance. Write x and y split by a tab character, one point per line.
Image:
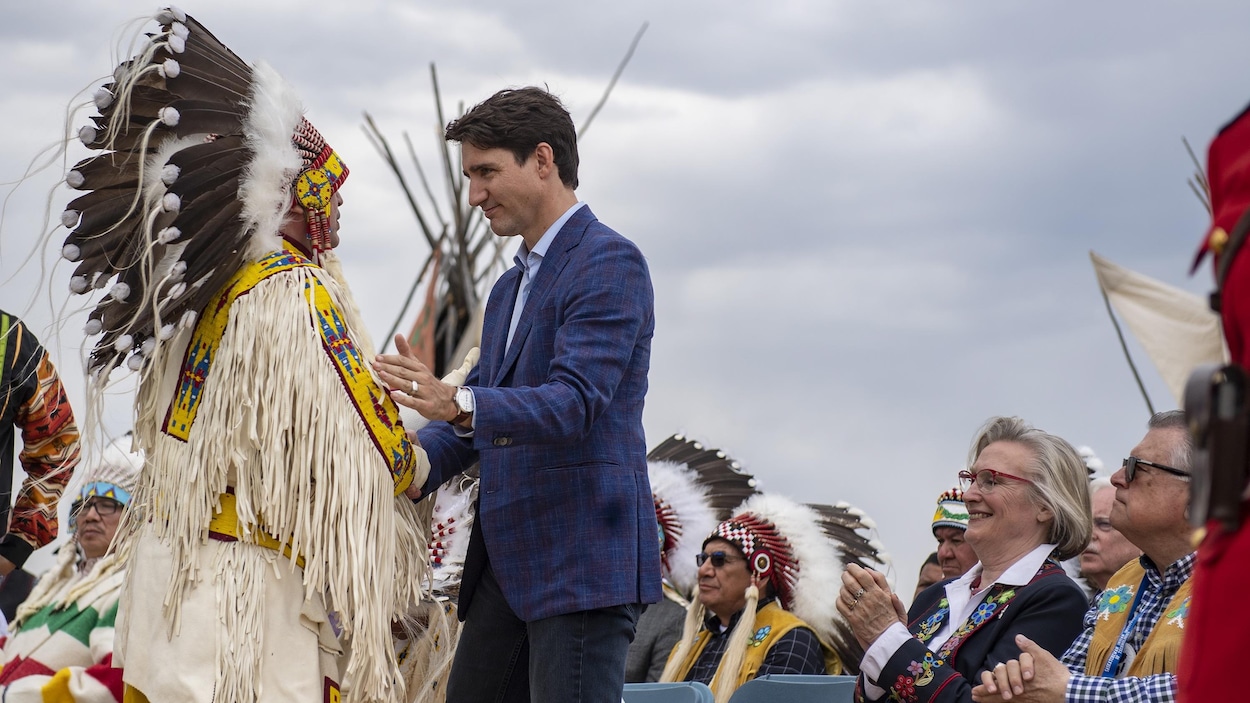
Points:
1161	650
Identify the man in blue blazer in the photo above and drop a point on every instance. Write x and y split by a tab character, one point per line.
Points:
564	550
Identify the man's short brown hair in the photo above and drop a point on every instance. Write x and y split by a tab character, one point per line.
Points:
519	120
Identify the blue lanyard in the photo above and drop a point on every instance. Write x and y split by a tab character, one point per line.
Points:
1117	654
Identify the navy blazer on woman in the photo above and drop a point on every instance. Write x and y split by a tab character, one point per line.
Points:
565	508
1047	610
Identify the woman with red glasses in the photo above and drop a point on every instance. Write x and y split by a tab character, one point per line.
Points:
1028	508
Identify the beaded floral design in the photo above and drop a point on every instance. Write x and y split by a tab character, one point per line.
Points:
1114	600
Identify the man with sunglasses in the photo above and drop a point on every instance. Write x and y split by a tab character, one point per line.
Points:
1131	644
764	576
62	642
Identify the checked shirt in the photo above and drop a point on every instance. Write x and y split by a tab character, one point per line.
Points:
796	652
1160	688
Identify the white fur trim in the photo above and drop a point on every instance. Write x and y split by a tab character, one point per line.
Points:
71	252
274	112
69	218
679	487
820	568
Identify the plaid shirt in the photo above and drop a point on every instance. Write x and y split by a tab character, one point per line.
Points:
1160	688
796	652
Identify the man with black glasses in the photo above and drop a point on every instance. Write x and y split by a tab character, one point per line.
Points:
1132	639
61	646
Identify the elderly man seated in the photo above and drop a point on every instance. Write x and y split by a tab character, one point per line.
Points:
1108	548
764	576
61	643
1133	633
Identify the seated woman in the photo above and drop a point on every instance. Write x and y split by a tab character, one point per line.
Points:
1028	505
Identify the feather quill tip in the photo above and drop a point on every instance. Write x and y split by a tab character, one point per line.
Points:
169	69
169	174
102	98
166	332
87	135
176	44
169	116
169	234
171	13
135	362
69	218
188	319
148	346
867	522
93	327
178	29
75	179
120	291
71	252
171	202
178	270
123	343
78	284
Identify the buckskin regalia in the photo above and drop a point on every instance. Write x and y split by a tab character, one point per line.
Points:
271	545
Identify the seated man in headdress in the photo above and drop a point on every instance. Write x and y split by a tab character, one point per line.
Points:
61	644
764	576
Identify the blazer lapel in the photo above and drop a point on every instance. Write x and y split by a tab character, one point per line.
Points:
495	326
569	236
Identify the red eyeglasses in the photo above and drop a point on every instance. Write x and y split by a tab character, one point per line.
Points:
986	479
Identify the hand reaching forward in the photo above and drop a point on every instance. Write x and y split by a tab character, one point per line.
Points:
414	386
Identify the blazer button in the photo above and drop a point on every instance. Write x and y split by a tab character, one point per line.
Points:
503	441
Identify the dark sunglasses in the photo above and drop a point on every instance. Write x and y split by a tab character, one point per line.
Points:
103	506
718	558
1130	468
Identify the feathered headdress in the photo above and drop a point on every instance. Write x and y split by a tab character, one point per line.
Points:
801	549
201	156
694	489
115	474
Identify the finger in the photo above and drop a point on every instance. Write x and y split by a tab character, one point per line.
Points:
1027	645
1001	682
899	610
402	346
402	398
880	579
1026	666
987	681
392	379
1013	677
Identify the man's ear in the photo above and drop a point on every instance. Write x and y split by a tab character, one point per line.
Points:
545	159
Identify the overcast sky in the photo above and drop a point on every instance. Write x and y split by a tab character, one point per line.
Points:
868	224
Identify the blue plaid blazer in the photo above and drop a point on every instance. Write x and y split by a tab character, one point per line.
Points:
565	509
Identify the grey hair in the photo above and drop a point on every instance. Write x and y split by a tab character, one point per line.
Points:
1061	481
1182	452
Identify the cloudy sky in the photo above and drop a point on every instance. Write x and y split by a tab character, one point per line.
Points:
868	224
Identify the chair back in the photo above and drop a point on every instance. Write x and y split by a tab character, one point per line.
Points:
680	692
796	688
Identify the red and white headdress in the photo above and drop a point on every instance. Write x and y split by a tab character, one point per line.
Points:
694	488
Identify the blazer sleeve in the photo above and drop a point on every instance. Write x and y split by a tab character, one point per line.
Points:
606	308
1049	613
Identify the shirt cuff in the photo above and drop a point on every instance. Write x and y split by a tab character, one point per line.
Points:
879	654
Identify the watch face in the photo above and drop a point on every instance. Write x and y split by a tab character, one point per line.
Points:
464	400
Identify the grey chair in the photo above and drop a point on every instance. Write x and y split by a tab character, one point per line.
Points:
681	692
796	688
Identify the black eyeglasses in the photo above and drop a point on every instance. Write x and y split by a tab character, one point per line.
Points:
103	506
1130	468
718	558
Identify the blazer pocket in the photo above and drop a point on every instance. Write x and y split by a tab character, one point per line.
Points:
581	465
